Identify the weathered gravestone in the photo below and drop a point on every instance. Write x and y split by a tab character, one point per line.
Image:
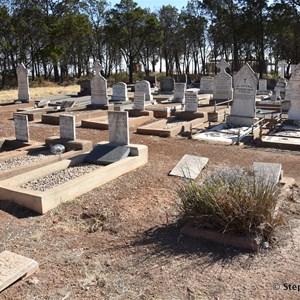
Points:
23	83
14	267
143	86
98	87
179	92
189	166
21	127
118	127
243	108
262	87
119	92
269	173
67	127
167	85
294	85
139	101
223	82
191	102
206	85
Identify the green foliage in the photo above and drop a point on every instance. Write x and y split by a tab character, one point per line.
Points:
232	200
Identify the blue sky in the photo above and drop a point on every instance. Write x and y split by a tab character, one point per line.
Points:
155	5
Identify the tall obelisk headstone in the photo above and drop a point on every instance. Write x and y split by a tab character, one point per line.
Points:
23	83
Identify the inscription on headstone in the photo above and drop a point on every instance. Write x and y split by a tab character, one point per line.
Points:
67	127
143	86
118	127
139	101
179	92
191	102
23	83
21	127
98	87
120	92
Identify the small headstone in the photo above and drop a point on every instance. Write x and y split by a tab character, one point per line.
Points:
23	83
267	172
191	102
98	87
143	86
262	87
119	92
107	154
179	92
13	267
118	128
67	127
139	101
189	166
223	83
43	103
167	85
294	86
206	85
21	127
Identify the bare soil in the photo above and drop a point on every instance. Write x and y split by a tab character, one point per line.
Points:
122	241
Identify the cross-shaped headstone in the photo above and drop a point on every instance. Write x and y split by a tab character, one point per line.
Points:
282	65
97	67
222	65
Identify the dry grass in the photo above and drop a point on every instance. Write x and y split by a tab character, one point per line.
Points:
39	92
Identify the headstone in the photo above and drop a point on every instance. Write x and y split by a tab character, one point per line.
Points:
143	86
179	92
267	172
294	85
152	80
67	127
13	267
98	87
43	103
282	65
118	128
281	82
189	166
23	83
223	82
139	101
167	85
262	87
85	87
206	85
191	102
119	92
107	154
243	106
21	127
180	78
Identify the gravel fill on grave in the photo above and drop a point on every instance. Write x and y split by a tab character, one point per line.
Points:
60	177
25	160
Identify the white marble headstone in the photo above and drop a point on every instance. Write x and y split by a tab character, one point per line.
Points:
23	83
223	82
191	102
294	86
179	92
143	86
206	84
119	92
21	127
139	101
67	127
262	86
118	127
98	87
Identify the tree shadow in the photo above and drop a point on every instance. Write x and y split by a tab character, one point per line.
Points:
16	210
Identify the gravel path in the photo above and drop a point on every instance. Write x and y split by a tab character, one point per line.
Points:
59	177
24	160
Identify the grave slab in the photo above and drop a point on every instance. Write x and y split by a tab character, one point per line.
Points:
189	166
14	267
267	172
107	154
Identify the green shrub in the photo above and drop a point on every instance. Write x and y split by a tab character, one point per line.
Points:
232	200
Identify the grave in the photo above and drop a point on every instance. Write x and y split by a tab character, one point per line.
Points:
14	188
167	85
14	267
190	166
223	83
119	92
23	83
21	128
179	92
206	85
143	86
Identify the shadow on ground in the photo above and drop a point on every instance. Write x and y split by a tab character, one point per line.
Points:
16	210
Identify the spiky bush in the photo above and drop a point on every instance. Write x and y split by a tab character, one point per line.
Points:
231	200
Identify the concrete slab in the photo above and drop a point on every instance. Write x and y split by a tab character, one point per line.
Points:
189	166
14	267
267	172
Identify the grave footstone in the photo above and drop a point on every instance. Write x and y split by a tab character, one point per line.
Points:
223	83
119	92
98	87
167	85
118	128
21	127
189	166
67	127
23	83
143	86
139	101
294	86
243	108
267	172
191	102
13	267
179	92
